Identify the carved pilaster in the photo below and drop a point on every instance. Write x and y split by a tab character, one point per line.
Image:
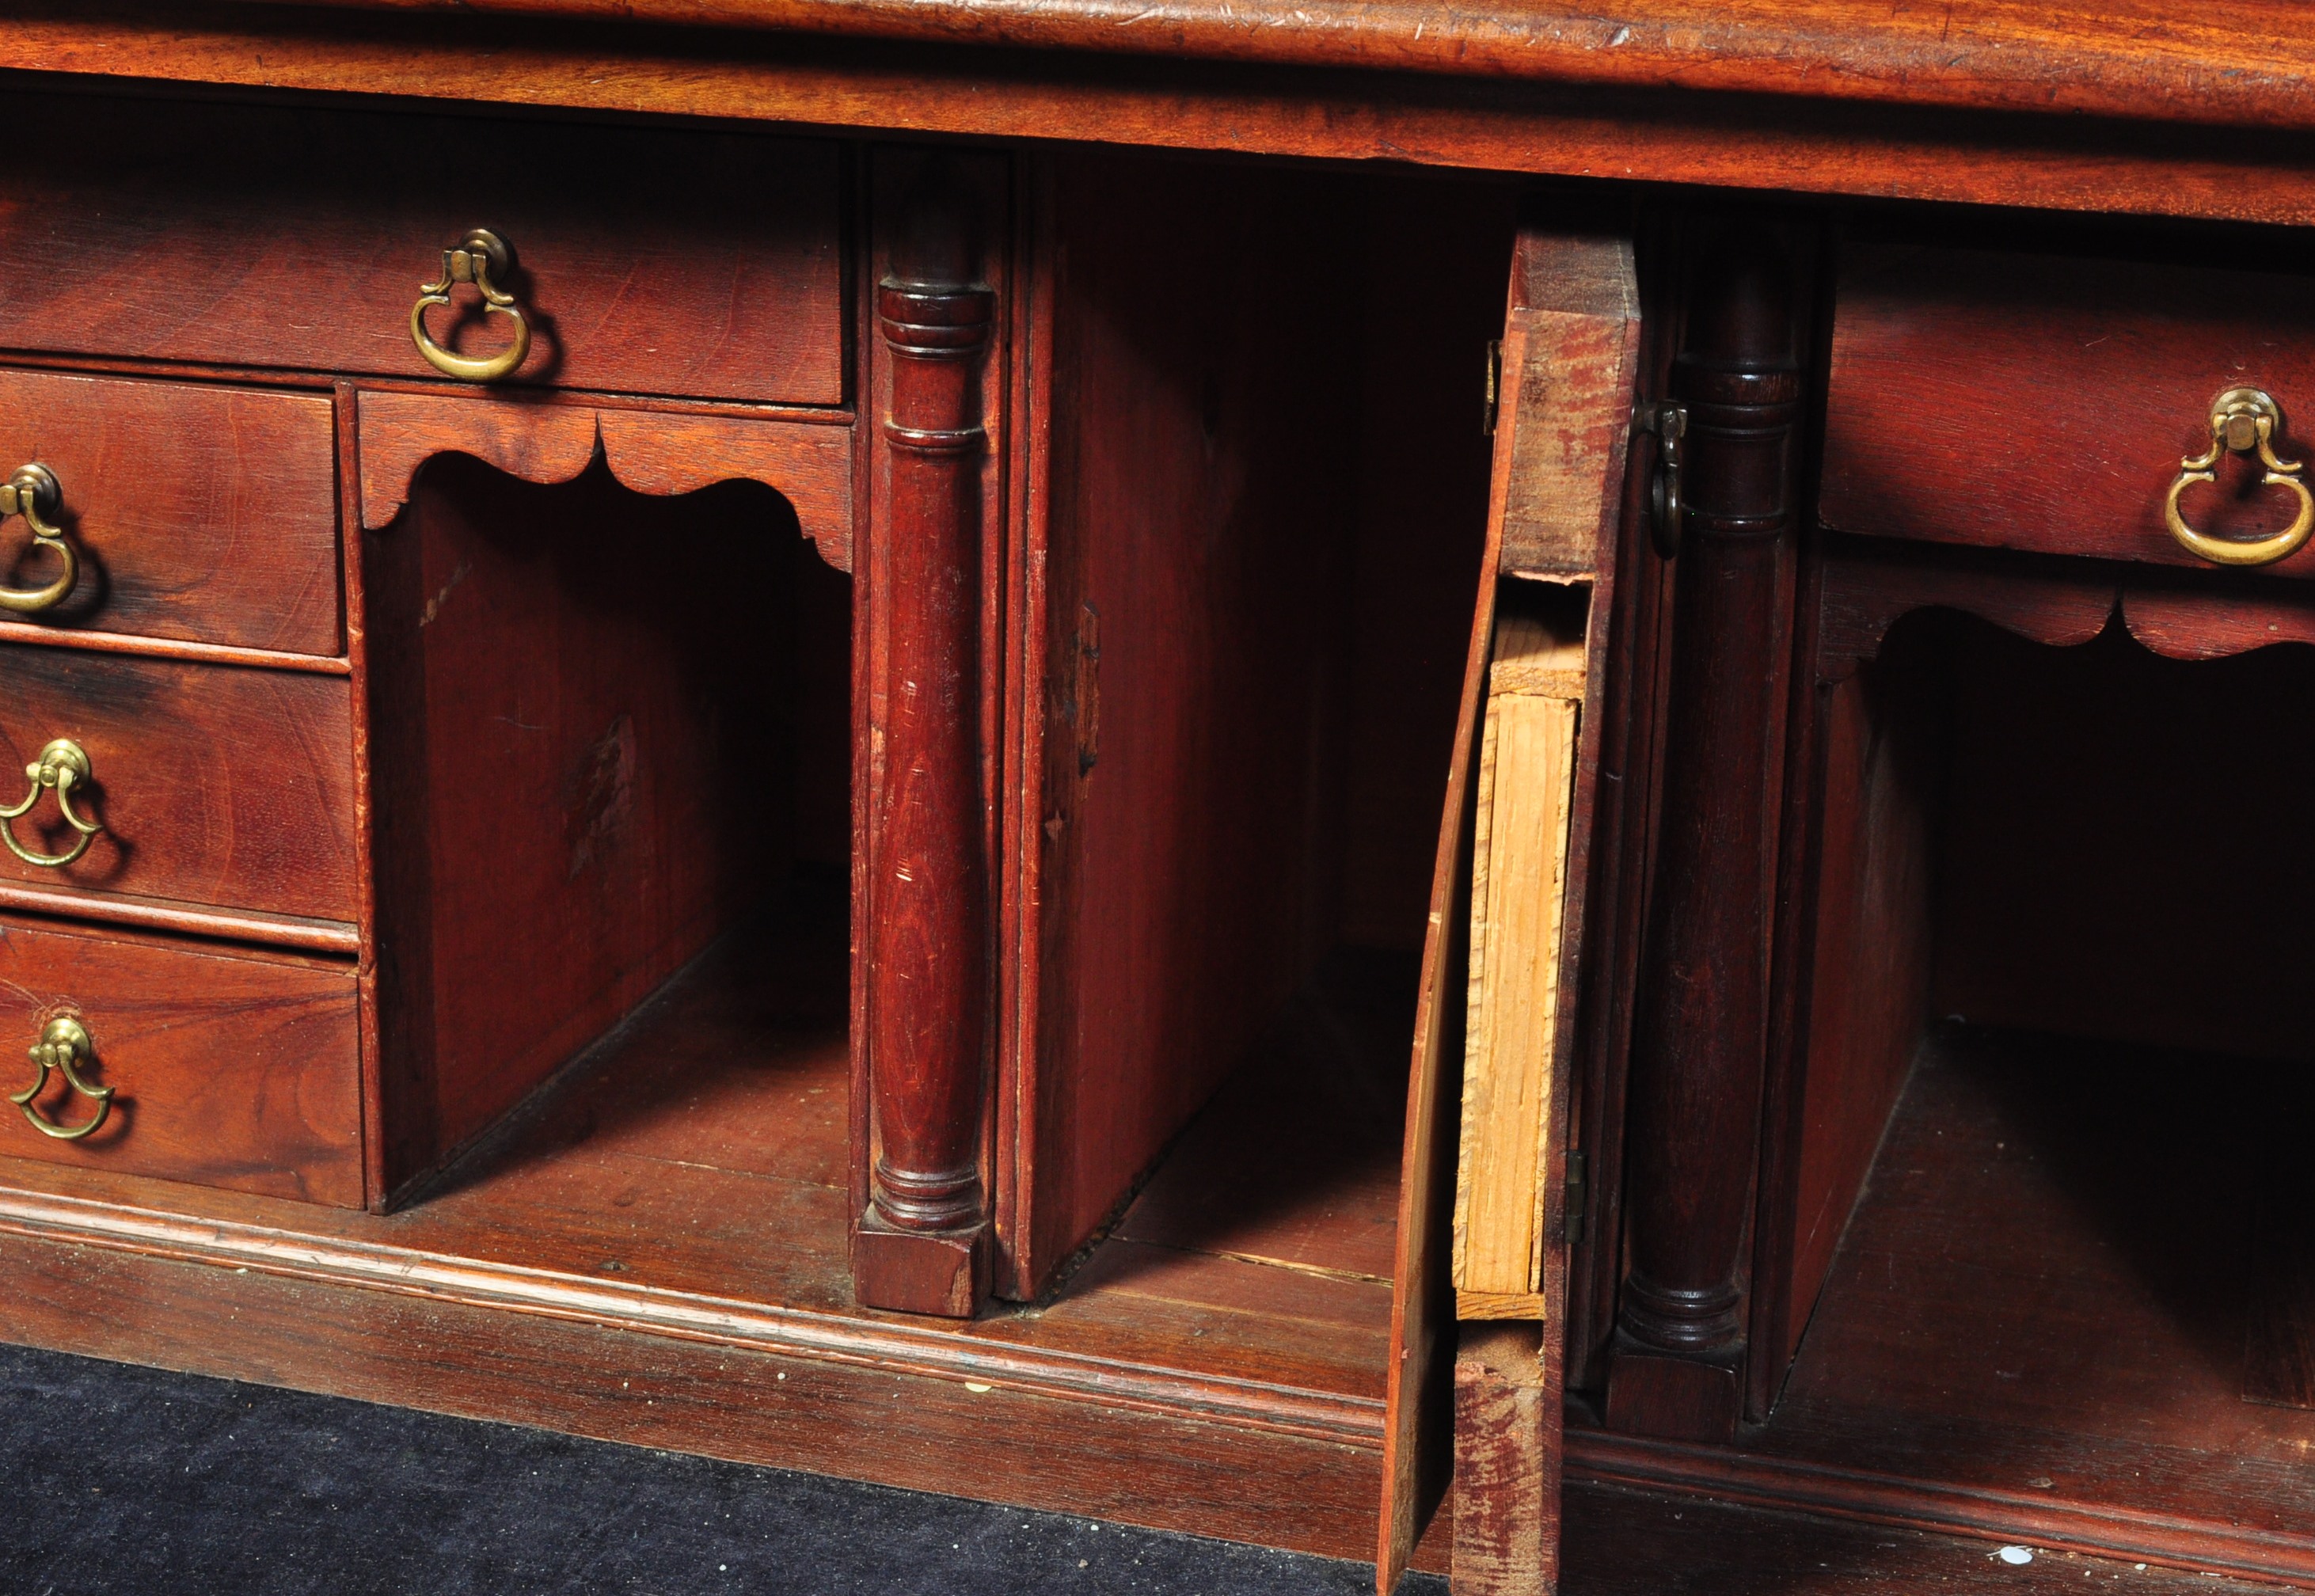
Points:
1700	1034
922	1245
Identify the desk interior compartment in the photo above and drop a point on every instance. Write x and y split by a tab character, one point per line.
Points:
2035	1237
1269	479
607	730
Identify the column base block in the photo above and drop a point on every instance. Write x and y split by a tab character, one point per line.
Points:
1672	1397
922	1271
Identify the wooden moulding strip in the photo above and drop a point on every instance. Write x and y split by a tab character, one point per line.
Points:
171	647
318	936
1831	1492
1254	1405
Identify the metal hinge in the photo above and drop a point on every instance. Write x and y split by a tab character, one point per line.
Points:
1577	1223
1493	390
1668	421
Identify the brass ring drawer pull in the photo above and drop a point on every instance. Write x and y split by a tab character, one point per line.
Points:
2242	421
61	766
32	492
483	259
63	1042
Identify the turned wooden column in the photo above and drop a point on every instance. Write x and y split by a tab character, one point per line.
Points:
1699	1041
922	1243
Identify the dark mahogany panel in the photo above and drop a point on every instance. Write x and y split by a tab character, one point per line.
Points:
215	785
703	264
2041	402
206	514
226	1070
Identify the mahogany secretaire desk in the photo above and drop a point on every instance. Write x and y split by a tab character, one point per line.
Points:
735	717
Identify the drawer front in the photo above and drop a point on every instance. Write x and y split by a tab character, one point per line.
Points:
649	261
214	784
224	1070
205	514
2048	404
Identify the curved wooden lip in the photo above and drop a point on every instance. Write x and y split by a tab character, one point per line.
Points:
2252	65
802	1333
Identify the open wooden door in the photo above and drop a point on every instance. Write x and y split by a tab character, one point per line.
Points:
1489	1190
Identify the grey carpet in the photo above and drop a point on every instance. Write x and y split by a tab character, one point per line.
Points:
122	1481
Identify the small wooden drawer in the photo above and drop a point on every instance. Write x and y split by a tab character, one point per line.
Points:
215	785
225	1069
198	513
2047	403
648	260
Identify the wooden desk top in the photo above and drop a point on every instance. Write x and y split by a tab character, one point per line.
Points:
2245	66
2124	106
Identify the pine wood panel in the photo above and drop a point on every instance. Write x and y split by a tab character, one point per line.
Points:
227	1071
252	235
215	785
1519	885
208	514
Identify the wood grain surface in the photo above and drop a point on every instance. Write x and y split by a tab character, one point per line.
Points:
1571	394
2046	402
2023	1337
227	1071
2008	157
585	743
1525	781
808	462
215	785
657	1254
1196	562
263	237
1627	1542
198	512
2137	59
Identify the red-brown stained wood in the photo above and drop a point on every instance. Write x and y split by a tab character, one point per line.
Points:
1866	937
1699	1041
808	462
1507	1499
2025	1336
1418	1436
1865	588
265	236
1187	732
226	1070
203	513
922	1243
647	1256
2047	403
1623	1541
1664	136
2218	616
2137	59
217	786
584	730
